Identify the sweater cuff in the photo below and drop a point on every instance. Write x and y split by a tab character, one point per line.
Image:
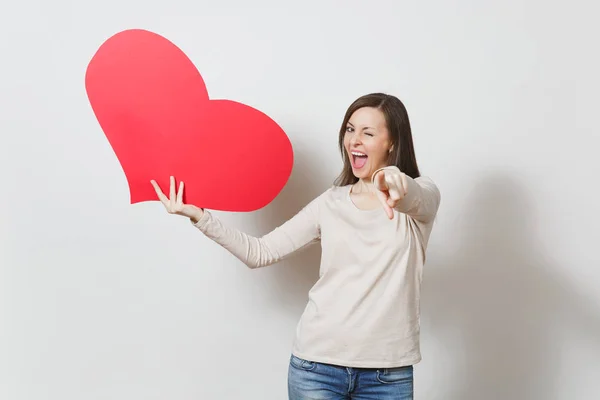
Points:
381	169
375	173
202	221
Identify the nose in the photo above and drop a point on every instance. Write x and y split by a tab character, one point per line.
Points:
354	140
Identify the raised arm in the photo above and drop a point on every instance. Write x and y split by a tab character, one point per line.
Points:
418	198
296	233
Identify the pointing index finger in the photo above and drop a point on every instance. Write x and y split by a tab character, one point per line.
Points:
383	198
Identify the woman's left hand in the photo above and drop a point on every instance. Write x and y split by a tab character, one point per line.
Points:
391	187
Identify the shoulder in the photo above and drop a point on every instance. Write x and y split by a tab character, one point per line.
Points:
335	194
337	191
330	195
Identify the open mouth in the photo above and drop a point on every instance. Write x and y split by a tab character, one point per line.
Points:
358	159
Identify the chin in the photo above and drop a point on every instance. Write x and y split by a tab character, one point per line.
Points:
363	173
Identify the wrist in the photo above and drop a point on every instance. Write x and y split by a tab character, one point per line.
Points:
197	215
375	173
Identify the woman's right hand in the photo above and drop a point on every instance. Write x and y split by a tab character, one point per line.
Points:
174	203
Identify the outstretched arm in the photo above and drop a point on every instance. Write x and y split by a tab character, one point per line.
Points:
296	233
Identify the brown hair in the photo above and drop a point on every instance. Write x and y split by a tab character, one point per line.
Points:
398	125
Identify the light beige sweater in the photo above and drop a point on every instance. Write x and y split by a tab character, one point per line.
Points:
364	309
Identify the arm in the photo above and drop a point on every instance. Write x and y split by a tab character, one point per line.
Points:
299	231
419	198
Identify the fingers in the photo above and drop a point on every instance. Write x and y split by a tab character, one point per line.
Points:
383	194
180	195
383	198
173	203
392	187
172	196
396	190
159	193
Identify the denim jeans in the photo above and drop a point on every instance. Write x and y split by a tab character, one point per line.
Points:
313	380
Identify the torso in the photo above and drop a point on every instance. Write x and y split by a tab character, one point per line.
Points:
364	309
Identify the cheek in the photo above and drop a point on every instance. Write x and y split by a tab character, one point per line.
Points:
380	153
346	141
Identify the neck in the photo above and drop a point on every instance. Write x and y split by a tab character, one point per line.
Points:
363	186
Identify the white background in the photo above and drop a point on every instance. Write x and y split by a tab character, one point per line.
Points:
104	300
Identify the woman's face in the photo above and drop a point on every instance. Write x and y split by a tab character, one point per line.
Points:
367	142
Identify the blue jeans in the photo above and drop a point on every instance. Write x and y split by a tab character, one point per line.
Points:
313	380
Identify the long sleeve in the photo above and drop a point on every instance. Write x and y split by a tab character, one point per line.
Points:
422	199
301	230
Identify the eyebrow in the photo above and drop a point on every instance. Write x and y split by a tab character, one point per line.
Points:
366	127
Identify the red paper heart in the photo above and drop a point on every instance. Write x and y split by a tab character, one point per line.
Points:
154	109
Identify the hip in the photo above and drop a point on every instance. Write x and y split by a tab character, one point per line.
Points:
310	379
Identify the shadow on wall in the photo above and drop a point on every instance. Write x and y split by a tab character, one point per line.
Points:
292	278
503	296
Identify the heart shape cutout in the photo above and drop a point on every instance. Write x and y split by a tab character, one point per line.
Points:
153	106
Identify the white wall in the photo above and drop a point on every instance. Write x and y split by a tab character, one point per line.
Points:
104	300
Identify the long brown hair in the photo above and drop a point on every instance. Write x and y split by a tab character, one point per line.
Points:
398	125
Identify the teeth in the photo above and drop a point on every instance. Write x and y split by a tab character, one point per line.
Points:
356	153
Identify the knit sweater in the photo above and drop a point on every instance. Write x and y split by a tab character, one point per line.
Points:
364	309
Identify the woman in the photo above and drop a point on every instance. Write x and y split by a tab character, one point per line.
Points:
358	337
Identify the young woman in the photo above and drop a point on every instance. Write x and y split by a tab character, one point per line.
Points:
358	337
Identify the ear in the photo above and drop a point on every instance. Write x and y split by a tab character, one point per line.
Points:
391	149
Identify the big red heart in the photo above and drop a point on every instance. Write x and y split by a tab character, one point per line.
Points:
153	106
